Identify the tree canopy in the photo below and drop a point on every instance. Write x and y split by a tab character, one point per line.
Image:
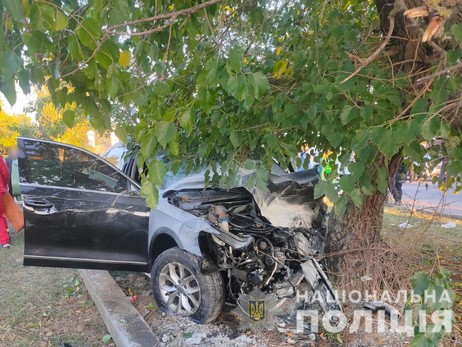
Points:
224	82
11	127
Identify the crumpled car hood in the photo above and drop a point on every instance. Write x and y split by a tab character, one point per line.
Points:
288	201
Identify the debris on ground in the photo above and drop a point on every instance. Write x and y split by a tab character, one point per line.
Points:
449	225
405	225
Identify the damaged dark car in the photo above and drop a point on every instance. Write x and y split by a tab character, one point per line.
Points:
203	246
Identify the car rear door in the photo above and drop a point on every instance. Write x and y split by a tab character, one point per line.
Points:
79	210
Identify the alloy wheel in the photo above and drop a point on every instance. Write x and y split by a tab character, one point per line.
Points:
180	289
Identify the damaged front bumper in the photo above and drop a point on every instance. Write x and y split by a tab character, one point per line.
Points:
261	260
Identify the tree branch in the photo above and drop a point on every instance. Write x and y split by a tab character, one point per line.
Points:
186	11
439	73
146	32
374	55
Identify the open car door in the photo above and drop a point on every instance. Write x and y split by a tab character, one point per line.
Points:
79	210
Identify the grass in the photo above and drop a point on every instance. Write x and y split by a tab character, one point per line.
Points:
44	306
411	242
419	243
437	246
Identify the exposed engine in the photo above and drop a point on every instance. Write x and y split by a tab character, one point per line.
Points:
256	254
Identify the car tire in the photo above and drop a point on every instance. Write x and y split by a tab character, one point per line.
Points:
180	288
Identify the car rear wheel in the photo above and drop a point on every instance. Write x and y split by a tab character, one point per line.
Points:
180	288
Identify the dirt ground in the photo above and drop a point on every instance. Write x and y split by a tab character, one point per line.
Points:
44	306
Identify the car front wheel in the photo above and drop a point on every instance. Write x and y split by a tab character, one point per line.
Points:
180	288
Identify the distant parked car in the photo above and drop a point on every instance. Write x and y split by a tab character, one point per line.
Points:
202	245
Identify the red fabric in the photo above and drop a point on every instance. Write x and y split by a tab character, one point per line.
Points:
4	178
4	236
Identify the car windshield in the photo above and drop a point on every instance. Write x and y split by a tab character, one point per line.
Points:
116	156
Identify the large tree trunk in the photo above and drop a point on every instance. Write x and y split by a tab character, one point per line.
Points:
353	238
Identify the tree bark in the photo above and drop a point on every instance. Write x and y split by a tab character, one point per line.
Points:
349	238
352	240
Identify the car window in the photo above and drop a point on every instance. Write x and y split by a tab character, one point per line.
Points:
115	155
62	166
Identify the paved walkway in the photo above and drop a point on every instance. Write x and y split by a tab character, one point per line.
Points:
427	197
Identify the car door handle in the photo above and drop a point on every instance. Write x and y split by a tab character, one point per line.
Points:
38	204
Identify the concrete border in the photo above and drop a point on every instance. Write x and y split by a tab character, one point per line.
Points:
125	324
426	211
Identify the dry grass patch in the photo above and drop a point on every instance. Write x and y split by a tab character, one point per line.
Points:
44	306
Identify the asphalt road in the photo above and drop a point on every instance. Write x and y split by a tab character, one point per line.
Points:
427	197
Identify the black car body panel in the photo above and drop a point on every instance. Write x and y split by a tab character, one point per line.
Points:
79	210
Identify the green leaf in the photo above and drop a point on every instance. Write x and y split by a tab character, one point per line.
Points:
420	282
165	132
9	90
356	169
445	130
235	58
156	172
232	85
357	197
235	138
74	48
121	133
150	192
421	106
24	78
112	81
212	71
42	16
382	179
68	118
206	99
454	55
345	114
329	131
174	147
261	178
259	84
387	144
61	20
107	339
10	63
88	32
328	189
347	183
271	141
430	128
14	9
420	340
121	5
457	31
151	306
148	145
187	120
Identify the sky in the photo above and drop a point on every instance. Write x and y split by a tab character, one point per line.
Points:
22	101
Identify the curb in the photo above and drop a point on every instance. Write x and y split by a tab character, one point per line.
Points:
125	324
426	211
444	214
